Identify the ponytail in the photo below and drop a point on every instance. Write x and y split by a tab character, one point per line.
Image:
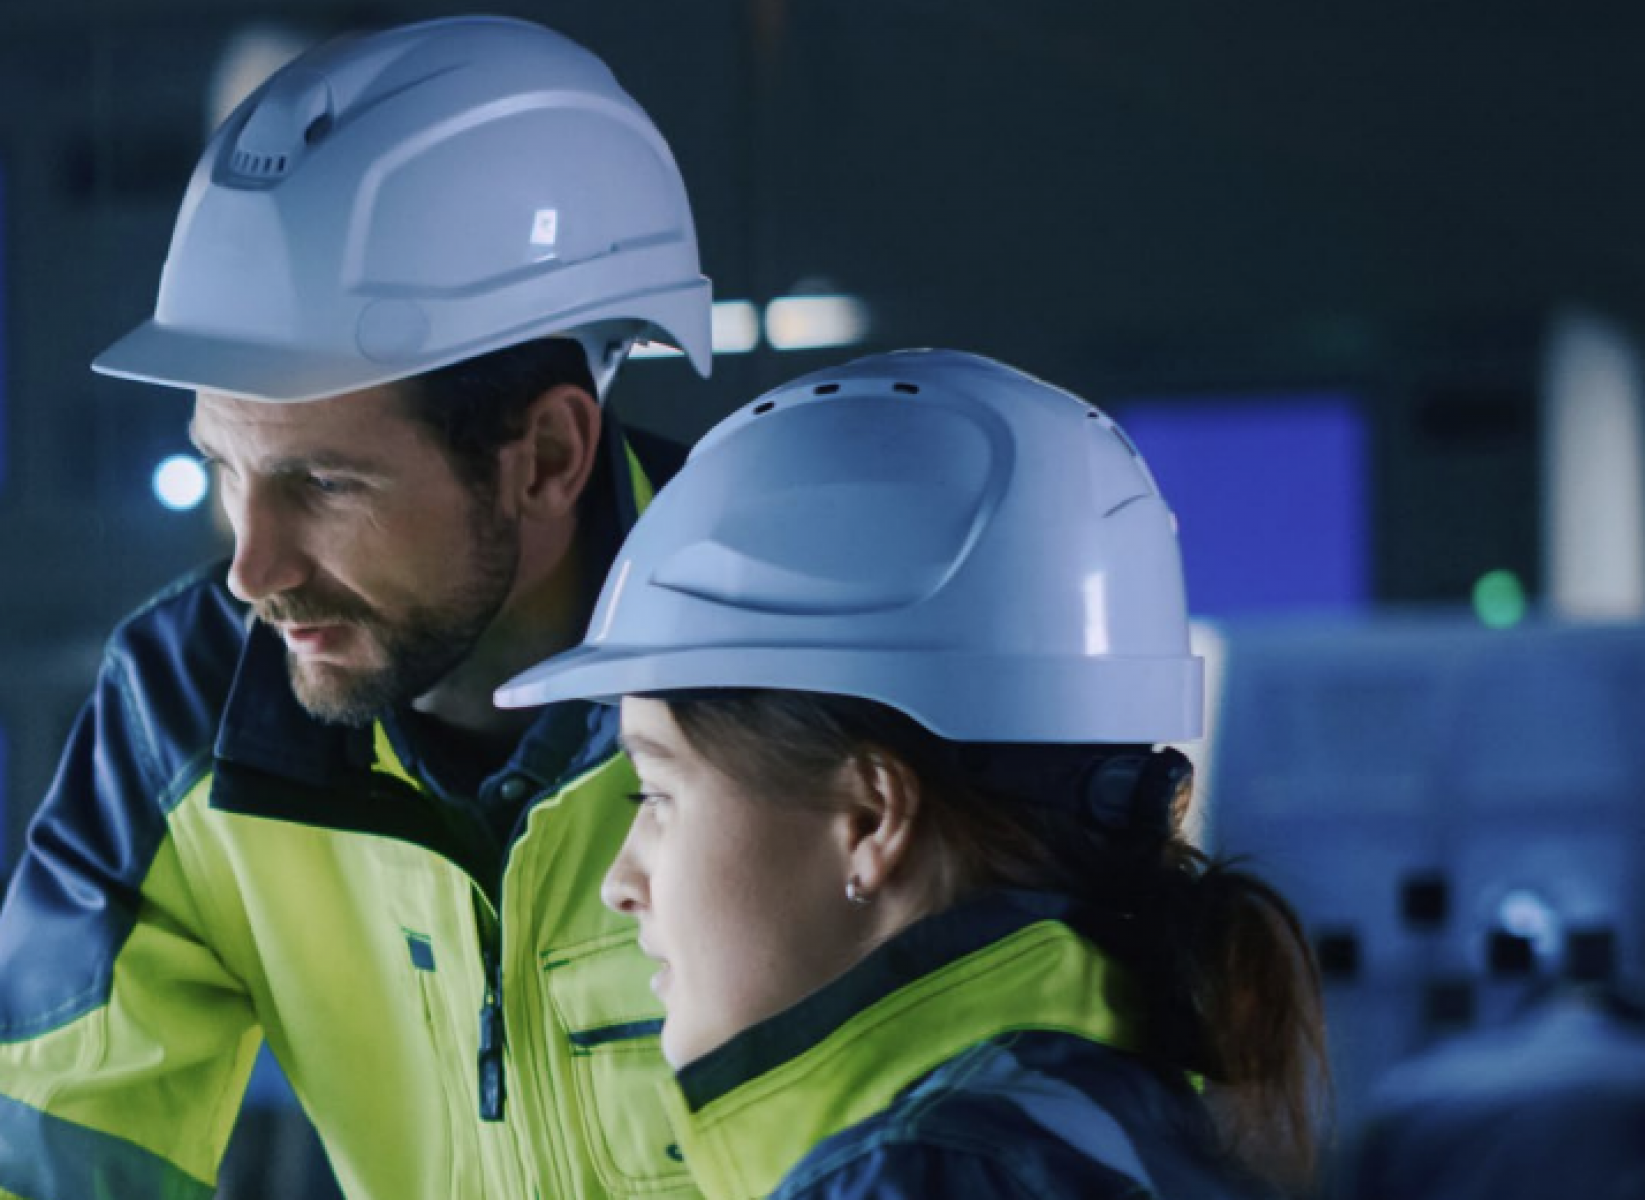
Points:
1245	969
1228	985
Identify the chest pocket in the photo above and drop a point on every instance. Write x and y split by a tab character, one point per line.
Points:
601	998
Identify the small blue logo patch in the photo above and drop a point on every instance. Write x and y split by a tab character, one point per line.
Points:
421	949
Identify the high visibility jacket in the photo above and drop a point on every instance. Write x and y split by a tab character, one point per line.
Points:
980	1053
212	867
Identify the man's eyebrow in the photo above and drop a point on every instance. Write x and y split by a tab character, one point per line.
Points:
296	464
322	460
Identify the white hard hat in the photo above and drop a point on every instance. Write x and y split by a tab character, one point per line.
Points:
931	530
389	204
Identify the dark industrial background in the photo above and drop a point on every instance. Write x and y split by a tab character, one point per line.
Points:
1393	203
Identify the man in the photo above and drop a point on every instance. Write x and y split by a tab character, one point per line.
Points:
402	275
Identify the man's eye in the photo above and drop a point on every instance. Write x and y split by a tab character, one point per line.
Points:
647	799
326	485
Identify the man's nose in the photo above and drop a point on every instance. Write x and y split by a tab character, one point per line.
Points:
269	556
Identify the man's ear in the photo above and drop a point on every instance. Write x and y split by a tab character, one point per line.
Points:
544	471
884	811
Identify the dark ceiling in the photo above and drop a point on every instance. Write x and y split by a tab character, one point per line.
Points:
1160	180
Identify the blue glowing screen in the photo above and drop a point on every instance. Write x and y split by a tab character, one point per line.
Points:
1270	494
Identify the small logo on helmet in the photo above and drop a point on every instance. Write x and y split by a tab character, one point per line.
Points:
545	227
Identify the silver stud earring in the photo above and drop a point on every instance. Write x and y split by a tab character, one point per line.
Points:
855	894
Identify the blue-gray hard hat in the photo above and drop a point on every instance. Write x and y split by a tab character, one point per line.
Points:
391	203
931	530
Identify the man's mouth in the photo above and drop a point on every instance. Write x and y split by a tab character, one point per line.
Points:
310	639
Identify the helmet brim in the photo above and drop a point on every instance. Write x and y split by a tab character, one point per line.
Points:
957	695
153	353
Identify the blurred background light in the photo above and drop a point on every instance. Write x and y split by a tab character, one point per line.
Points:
736	327
654	350
736	330
1593	451
1499	599
815	322
180	482
248	58
1525	914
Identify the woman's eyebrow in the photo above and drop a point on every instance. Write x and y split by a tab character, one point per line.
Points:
639	743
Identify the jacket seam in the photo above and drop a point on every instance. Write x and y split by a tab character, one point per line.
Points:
957	1074
143	745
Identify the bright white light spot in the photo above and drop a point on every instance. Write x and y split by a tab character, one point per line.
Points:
812	322
736	327
654	350
250	56
1525	914
736	330
180	483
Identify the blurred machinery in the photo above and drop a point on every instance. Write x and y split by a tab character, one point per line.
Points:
1455	811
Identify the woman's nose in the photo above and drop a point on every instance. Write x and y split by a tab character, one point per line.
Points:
623	889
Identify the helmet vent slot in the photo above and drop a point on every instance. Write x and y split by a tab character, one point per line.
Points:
765	407
825	389
258	166
908	389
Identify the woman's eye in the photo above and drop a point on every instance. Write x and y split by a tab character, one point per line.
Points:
647	799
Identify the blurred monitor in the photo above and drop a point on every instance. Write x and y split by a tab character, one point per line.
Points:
1270	493
1457	812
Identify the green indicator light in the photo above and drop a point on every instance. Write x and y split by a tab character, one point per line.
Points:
1499	599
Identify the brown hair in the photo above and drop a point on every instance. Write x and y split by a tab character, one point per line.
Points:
476	406
1227	980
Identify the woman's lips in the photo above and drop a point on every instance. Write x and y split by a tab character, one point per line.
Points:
660	980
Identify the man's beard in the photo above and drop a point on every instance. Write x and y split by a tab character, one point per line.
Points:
419	648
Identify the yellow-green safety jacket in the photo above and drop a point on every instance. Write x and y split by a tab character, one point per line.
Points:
213	867
984	1052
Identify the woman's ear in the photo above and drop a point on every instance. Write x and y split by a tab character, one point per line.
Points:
881	822
544	470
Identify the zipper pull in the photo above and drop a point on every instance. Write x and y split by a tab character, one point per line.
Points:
493	1089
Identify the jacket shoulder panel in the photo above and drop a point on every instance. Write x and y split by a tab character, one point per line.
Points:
982	1124
174	660
948	1163
70	1160
141	741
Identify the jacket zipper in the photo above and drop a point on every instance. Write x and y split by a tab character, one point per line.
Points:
493	1089
493	1086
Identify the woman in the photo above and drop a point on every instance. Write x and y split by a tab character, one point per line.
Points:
894	650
